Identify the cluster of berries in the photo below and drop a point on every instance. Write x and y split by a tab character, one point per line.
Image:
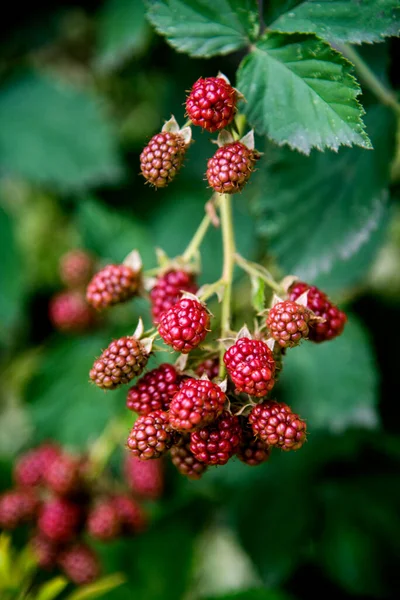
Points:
211	105
68	310
55	494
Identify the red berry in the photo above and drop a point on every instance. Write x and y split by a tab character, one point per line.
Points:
123	360
252	450
185	325
30	469
197	403
319	303
131	514
112	285
150	436
70	313
76	268
215	444
211	103
277	425
287	322
168	290
80	563
209	367
185	461
154	390
103	522
230	168
63	475
59	520
251	366
44	551
145	477
16	507
162	158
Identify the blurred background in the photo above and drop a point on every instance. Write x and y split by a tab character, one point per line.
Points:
83	87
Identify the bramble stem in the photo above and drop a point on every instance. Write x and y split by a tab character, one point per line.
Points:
258	271
197	239
228	243
385	95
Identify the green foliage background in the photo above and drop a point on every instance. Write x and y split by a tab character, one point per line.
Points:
82	88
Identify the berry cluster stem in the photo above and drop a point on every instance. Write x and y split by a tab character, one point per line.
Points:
197	239
228	243
258	271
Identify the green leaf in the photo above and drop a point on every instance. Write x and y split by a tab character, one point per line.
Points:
343	20
51	589
123	32
53	133
205	27
335	230
253	594
301	92
333	385
98	588
258	293
63	403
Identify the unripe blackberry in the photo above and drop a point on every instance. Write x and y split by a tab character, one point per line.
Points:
76	268
80	564
150	436
123	360
30	468
216	443
59	520
230	168
145	477
70	313
252	450
319	303
131	514
45	551
185	325
154	390
103	521
168	290
211	103
251	366
16	507
277	425
63	475
112	285
287	322
185	461
209	367
162	158
198	403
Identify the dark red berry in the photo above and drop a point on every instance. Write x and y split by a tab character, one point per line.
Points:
131	514
230	168
185	325
252	450
80	564
209	367
198	402
112	285
59	520
287	322
319	303
216	443
70	313
162	158
63	475
145	477
31	467
211	103
103	521
154	390
251	366
277	425
76	268
44	550
150	436
123	360
16	507
168	290
185	461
